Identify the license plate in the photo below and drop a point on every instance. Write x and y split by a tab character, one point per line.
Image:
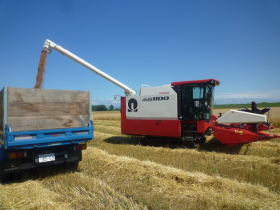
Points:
46	158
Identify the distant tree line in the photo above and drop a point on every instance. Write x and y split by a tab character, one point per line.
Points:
102	108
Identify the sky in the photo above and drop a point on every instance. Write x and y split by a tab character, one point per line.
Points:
145	42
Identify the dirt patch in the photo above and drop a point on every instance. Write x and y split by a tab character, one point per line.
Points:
41	70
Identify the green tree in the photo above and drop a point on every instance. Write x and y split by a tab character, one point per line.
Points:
111	107
98	108
102	108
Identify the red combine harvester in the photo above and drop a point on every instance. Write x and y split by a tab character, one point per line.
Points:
182	110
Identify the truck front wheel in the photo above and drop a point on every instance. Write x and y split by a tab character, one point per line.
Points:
72	166
10	177
4	177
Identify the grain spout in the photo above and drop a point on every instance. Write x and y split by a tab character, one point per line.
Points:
41	69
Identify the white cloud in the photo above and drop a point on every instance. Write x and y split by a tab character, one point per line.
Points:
247	97
220	98
272	94
106	102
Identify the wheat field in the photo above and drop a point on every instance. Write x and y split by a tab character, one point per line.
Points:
118	172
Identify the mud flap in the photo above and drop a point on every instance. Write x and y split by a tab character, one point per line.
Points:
11	166
10	170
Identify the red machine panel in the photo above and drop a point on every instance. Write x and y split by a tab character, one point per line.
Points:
148	127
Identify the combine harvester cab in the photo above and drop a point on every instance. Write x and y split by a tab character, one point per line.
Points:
242	126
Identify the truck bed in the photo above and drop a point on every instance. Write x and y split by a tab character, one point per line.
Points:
40	109
40	127
46	138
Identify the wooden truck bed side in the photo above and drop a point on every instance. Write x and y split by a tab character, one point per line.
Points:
41	109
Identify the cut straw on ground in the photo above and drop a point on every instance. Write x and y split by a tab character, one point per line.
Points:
168	187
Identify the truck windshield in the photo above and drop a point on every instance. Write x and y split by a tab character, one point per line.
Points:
197	101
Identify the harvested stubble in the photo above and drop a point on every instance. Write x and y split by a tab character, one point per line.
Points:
106	181
122	174
41	69
64	191
108	123
81	191
29	195
111	117
163	187
255	163
107	129
244	168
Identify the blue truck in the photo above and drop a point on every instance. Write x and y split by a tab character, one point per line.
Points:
42	127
